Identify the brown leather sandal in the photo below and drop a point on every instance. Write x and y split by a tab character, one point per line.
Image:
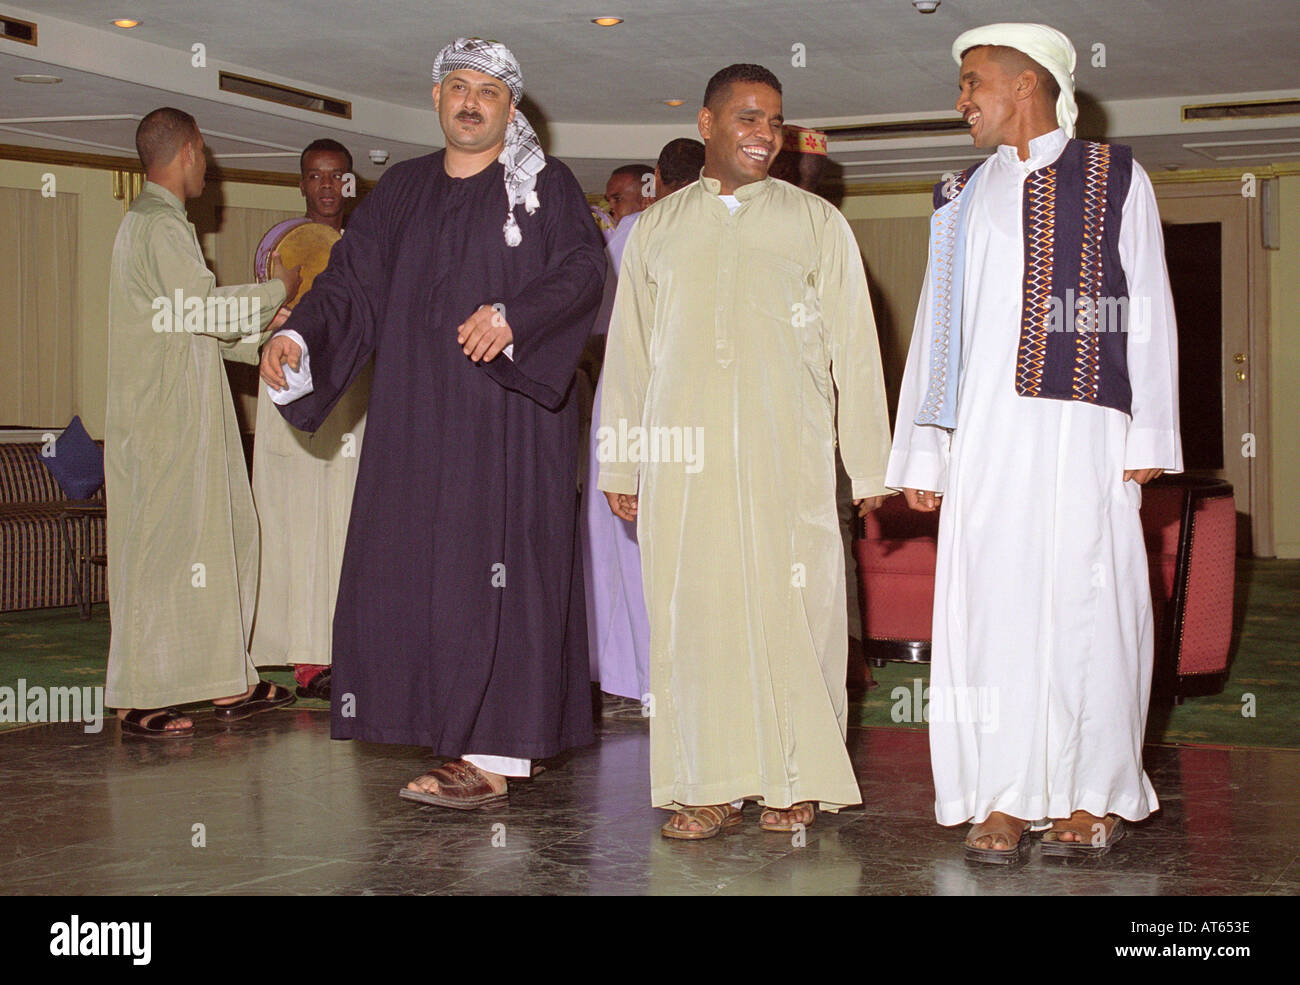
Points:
1092	843
712	819
461	786
997	823
770	819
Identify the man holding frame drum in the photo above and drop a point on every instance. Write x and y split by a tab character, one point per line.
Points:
302	483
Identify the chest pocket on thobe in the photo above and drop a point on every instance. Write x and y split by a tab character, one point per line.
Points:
786	302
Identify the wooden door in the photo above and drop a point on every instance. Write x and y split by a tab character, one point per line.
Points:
1218	273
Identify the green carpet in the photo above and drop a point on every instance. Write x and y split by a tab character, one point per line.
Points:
54	648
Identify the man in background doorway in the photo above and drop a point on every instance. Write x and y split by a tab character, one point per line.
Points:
629	190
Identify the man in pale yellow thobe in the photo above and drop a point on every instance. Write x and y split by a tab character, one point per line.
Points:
741	308
303	484
182	533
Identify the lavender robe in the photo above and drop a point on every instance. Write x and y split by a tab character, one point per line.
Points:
460	618
618	628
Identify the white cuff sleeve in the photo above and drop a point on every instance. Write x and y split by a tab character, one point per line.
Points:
501	765
922	468
299	380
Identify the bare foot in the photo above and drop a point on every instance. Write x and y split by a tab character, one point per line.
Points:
1082	826
999	832
148	719
428	783
234	699
785	818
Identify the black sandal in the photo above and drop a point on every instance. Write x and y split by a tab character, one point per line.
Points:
265	697
1091	844
151	723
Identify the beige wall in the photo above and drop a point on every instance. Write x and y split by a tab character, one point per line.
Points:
886	206
99	215
38	326
892	232
1284	367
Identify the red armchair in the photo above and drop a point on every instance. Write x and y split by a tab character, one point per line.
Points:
895	551
1191	532
1190	529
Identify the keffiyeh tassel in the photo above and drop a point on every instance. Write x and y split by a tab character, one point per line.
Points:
513	236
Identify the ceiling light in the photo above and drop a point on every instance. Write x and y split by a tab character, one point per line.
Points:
674	102
41	80
126	23
607	21
926	6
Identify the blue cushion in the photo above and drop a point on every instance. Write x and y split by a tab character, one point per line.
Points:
77	463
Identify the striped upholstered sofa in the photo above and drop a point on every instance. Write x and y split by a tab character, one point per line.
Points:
34	569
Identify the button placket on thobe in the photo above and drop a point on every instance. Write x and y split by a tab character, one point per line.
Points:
724	347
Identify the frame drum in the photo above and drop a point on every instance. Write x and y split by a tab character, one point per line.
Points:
299	241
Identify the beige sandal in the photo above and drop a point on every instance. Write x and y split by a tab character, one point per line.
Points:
711	819
771	817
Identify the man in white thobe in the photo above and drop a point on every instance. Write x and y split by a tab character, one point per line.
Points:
1037	421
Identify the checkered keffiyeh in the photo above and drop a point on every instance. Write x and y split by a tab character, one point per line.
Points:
522	156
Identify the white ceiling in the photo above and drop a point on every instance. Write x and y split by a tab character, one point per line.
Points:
596	93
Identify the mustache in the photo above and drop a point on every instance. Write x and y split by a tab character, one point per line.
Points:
469	116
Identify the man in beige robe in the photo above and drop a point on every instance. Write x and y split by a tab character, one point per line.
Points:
741	308
303	483
182	534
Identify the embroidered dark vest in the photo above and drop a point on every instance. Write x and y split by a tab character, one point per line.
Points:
1074	318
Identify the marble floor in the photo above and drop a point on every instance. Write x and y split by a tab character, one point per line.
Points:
273	806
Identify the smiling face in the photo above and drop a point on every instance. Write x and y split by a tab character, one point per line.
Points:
474	109
742	134
322	184
987	100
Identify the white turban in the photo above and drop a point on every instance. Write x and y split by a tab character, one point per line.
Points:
1045	45
522	155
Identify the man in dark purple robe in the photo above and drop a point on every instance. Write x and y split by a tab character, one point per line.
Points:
460	619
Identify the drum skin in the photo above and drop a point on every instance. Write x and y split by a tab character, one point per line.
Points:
299	242
262	258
